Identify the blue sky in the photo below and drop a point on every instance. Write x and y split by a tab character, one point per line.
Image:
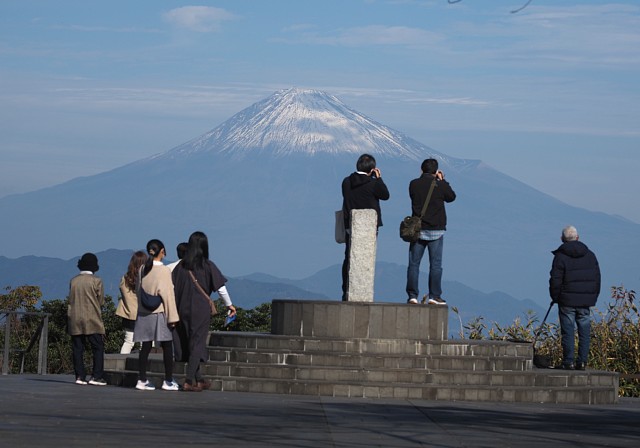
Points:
549	95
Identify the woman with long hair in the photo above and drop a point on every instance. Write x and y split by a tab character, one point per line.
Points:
156	325
128	305
195	312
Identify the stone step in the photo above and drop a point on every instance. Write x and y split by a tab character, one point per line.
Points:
453	347
565	394
438	377
379	367
390	361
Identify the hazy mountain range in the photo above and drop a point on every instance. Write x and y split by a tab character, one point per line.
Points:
264	186
53	275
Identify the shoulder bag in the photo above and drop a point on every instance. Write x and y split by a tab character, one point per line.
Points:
411	226
341	237
148	301
205	296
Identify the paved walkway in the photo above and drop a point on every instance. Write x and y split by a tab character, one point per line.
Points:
51	411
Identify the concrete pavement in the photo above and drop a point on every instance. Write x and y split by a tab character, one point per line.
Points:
52	411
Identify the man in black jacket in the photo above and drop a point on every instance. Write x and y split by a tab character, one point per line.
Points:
363	189
574	284
434	225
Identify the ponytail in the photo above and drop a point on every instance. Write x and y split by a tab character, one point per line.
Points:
153	249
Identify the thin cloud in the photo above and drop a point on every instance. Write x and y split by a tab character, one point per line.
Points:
450	101
583	35
372	35
104	29
202	19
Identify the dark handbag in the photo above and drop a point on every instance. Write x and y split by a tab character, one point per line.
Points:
341	234
212	304
148	301
411	226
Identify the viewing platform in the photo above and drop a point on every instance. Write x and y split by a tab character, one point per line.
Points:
376	350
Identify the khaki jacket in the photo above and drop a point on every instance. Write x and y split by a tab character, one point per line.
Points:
128	304
86	297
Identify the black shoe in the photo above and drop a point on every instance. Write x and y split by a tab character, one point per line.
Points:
567	367
581	366
436	301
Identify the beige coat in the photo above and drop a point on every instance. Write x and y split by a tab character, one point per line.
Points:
128	304
86	297
158	283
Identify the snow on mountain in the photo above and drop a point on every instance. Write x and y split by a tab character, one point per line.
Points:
298	121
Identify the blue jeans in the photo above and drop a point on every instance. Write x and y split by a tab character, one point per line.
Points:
416	251
570	316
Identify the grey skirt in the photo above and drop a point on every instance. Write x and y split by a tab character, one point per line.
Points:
151	327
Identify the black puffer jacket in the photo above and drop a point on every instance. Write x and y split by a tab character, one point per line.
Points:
575	275
360	191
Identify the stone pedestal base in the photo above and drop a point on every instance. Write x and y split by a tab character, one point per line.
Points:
359	320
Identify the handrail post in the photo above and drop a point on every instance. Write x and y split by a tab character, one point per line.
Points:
7	344
42	347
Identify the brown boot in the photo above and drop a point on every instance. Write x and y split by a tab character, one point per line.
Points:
204	384
188	387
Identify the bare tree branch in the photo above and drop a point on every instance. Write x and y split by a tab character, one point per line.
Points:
451	2
521	8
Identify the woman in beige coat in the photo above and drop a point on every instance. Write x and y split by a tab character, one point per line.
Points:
84	313
128	306
156	325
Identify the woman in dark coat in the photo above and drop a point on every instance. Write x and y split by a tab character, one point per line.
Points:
193	306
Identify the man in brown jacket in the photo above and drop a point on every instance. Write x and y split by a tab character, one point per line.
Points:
86	297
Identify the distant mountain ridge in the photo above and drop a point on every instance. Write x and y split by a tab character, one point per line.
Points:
52	275
264	186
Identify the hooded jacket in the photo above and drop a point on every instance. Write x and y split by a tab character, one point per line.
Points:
575	275
360	191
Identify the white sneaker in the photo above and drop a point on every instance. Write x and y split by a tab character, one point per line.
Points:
170	385
80	381
145	385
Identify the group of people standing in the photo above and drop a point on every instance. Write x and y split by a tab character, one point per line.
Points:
364	189
179	324
574	282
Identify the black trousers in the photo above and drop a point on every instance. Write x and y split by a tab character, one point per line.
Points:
97	348
345	268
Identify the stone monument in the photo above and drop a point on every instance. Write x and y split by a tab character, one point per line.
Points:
362	255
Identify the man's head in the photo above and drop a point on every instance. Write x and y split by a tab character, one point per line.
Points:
429	166
365	163
569	233
181	250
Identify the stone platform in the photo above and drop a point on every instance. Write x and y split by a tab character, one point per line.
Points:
358	320
320	348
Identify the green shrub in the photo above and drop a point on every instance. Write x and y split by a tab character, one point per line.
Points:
615	338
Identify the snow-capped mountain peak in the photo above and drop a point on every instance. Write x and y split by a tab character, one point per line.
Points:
300	121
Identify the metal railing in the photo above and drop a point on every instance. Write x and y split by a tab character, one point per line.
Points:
40	335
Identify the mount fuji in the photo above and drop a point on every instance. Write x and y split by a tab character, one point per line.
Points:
264	185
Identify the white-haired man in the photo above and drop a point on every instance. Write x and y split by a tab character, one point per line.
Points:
574	284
